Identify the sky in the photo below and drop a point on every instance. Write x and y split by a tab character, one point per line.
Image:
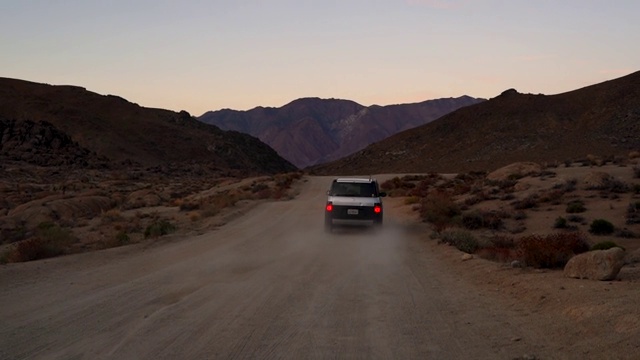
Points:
199	55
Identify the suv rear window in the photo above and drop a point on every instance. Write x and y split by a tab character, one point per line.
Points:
353	189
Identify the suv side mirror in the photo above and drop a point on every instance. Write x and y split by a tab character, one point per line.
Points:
382	194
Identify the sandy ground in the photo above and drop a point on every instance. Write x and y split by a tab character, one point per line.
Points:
272	284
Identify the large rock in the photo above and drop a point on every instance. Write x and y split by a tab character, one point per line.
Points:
515	170
596	180
596	265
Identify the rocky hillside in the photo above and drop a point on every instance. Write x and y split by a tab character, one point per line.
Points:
600	120
68	125
311	130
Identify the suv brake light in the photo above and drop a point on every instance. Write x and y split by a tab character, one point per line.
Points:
329	207
377	209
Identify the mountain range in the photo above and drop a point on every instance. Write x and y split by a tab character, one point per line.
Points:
311	131
601	120
67	125
46	125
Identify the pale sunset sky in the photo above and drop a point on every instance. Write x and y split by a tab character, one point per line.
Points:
198	55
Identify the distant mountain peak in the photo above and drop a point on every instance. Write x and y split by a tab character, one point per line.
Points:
312	130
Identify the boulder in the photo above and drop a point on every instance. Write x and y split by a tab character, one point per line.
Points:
596	265
596	180
517	170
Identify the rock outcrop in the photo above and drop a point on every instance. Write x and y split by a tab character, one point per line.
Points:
596	265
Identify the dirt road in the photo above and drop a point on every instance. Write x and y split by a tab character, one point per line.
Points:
270	284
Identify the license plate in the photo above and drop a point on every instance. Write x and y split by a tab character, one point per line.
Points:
352	211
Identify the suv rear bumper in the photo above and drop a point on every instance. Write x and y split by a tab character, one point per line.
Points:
352	215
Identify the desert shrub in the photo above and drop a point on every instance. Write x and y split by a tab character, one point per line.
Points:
616	186
461	239
560	223
500	248
284	181
601	227
256	187
263	194
625	233
391	184
189	205
422	189
398	193
159	228
439	209
477	219
194	216
552	196
50	240
502	184
636	171
209	211
576	206
477	198
407	178
520	215
122	238
551	251
110	216
633	213
605	245
411	200
34	249
528	202
472	220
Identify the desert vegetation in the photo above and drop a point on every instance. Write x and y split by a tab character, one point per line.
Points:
77	211
527	214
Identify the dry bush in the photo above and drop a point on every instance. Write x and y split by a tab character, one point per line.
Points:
411	200
601	227
575	206
439	209
284	181
633	213
194	216
110	216
552	250
189	205
159	228
399	193
263	194
500	249
461	239
50	240
479	219
528	202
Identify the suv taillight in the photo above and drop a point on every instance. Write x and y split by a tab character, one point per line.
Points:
377	209
329	206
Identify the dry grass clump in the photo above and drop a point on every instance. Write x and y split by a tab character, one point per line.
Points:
158	228
633	213
501	248
439	209
111	216
478	219
50	240
552	250
409	185
463	240
575	206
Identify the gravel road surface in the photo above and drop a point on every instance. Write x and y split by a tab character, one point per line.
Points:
268	285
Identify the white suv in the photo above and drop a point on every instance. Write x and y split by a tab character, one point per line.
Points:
353	201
